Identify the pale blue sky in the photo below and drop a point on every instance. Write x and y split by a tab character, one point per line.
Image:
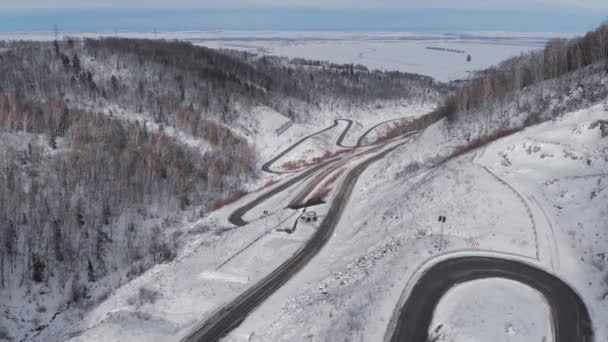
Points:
519	5
338	15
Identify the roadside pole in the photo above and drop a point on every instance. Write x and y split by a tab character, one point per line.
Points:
442	220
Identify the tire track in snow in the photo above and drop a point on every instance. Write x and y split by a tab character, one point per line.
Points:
554	252
523	201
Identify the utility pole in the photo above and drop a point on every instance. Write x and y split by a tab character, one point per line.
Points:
280	218
442	220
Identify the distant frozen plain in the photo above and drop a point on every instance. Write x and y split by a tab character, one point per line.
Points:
402	51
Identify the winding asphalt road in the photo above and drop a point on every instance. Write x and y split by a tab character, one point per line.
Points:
232	314
266	166
314	182
340	141
236	217
571	320
366	133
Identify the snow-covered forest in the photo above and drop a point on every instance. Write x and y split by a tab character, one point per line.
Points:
108	143
568	74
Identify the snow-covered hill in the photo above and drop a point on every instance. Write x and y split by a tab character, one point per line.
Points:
219	261
112	149
519	172
539	195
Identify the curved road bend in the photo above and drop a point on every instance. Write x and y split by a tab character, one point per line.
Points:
571	320
236	217
340	141
313	183
366	133
266	166
228	317
317	179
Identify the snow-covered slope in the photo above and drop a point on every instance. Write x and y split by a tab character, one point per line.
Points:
539	195
218	261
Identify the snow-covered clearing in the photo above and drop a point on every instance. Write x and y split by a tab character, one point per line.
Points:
492	310
561	170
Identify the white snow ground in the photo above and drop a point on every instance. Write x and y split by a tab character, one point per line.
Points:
490	310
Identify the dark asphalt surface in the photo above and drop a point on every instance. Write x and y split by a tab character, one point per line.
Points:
236	217
340	141
318	178
231	315
312	184
571	320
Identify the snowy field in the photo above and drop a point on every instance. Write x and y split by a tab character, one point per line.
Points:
403	51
